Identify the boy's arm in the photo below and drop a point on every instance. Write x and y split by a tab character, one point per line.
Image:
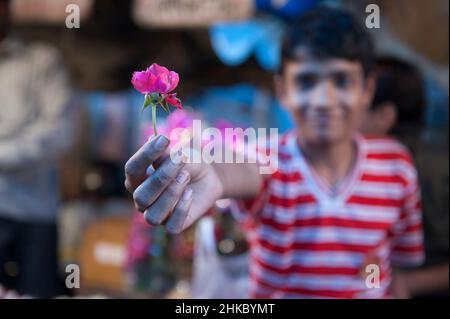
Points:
421	281
399	288
239	180
178	193
428	280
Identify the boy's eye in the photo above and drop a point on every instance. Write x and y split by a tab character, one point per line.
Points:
342	80
306	81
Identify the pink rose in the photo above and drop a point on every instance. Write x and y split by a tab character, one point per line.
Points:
156	79
156	82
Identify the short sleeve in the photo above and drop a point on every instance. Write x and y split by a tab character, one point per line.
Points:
407	244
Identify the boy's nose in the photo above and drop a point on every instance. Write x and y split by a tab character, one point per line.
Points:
323	95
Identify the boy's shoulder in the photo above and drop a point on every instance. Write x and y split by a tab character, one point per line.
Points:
378	150
277	144
383	147
286	145
386	148
389	156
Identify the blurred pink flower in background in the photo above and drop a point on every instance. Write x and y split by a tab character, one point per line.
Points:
139	240
176	119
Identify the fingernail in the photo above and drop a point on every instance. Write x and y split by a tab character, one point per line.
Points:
182	177
161	143
187	194
178	158
173	227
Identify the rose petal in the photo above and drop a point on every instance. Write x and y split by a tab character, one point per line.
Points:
151	83
139	81
157	69
162	83
173	100
144	82
173	80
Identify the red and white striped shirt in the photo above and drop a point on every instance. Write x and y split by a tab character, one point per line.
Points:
307	242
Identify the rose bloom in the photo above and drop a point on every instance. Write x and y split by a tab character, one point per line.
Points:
157	79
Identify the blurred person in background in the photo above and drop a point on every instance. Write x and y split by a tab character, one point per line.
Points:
398	105
34	130
335	204
398	110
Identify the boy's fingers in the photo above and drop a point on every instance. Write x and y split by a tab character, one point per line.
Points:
157	182
158	212
130	188
180	212
137	165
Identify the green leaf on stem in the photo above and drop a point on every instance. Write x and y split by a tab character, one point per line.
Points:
147	101
164	105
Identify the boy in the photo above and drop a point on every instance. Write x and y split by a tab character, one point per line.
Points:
337	202
399	101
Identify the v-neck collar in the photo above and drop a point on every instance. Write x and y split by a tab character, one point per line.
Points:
318	187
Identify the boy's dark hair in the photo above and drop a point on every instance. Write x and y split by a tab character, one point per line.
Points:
400	83
329	32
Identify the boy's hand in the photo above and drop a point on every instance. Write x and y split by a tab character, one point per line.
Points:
168	191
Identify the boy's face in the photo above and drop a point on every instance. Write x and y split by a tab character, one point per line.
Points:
326	98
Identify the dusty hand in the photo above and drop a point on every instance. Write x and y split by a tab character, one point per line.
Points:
167	189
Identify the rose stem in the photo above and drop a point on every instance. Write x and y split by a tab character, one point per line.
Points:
154	119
